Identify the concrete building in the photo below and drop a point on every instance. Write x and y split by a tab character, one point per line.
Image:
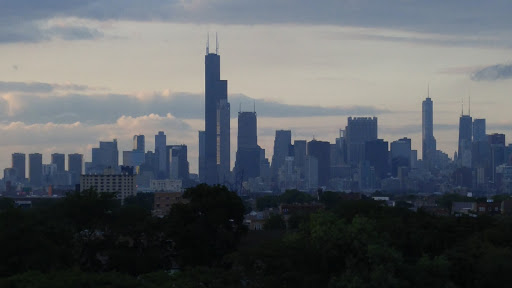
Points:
124	185
166	185
103	157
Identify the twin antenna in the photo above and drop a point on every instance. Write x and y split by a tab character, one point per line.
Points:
208	44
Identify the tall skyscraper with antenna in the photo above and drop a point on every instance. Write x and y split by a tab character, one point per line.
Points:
465	139
428	140
217	125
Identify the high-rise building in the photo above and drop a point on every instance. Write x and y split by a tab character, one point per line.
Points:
376	153
359	130
139	143
75	164
496	139
321	150
247	163
18	163
465	138
282	143
202	157
217	125
479	133
105	156
400	155
160	152
35	169
428	141
178	165
59	160
299	155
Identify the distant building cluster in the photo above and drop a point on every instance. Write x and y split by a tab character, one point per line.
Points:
357	160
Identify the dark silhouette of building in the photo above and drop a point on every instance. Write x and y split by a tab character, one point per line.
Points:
178	165
139	143
202	157
217	125
400	155
18	163
359	130
428	140
75	164
321	150
479	130
299	155
377	154
282	143
465	138
105	156
35	169
248	152
60	161
160	154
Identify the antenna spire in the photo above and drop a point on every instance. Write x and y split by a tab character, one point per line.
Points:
240	109
462	111
428	90
208	43
216	44
469	111
254	105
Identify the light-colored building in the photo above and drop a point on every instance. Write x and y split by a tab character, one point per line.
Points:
122	184
166	185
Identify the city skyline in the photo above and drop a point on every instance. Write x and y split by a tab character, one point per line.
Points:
56	101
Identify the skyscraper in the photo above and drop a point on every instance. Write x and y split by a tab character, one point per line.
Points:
427	133
75	162
247	163
160	151
105	156
359	130
479	130
465	137
202	157
35	169
139	143
178	162
217	125
59	160
282	143
321	150
18	163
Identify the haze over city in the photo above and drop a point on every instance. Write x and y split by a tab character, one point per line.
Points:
73	73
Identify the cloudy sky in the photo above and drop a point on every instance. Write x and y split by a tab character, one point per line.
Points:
74	72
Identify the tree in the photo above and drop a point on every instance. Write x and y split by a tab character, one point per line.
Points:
208	227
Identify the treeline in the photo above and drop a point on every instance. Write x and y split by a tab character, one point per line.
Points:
87	240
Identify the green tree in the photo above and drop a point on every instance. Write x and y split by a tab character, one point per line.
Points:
208	227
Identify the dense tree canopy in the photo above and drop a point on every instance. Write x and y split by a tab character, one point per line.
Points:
89	240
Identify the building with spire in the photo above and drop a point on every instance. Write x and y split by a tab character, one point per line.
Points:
217	125
465	139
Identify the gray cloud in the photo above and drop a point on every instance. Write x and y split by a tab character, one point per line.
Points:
39	87
32	103
436	16
493	73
